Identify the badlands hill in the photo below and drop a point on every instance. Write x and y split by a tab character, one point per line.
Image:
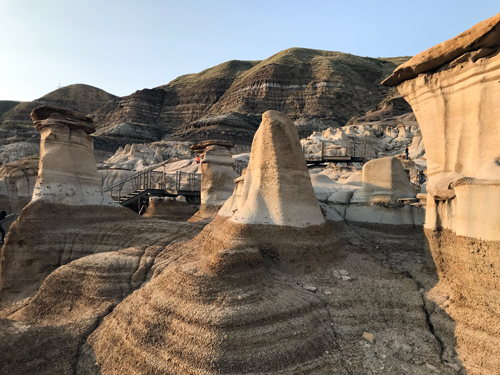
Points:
18	139
6	105
78	97
316	89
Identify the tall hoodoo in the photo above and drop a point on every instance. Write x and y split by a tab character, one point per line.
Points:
453	89
277	188
231	315
217	176
68	172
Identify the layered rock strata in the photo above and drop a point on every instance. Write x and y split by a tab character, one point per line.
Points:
18	141
67	172
67	194
231	315
452	88
317	89
173	209
217	176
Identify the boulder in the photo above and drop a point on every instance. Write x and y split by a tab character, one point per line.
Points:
384	196
384	181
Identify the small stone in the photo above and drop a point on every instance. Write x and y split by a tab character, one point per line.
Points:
327	292
310	288
336	274
406	348
384	356
369	337
454	366
343	273
421	290
346	278
397	345
431	367
327	352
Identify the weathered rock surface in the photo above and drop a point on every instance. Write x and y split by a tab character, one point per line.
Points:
384	181
277	189
384	184
217	177
227	293
68	172
173	209
17	182
452	88
235	315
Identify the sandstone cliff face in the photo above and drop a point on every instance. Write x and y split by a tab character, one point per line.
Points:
316	89
453	89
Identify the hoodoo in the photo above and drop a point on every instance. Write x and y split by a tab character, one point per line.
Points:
68	172
217	176
231	315
453	89
67	193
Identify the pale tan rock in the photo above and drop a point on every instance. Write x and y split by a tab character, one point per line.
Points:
277	188
217	177
417	148
370	337
384	181
453	89
67	172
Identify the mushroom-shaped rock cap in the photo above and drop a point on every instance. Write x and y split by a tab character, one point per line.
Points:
47	115
480	40
201	146
277	188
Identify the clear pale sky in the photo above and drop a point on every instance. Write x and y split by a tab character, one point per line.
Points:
125	45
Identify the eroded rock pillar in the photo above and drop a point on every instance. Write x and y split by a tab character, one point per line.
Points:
453	89
67	172
217	176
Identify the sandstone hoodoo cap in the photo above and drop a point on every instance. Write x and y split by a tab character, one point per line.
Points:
201	146
46	115
480	41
